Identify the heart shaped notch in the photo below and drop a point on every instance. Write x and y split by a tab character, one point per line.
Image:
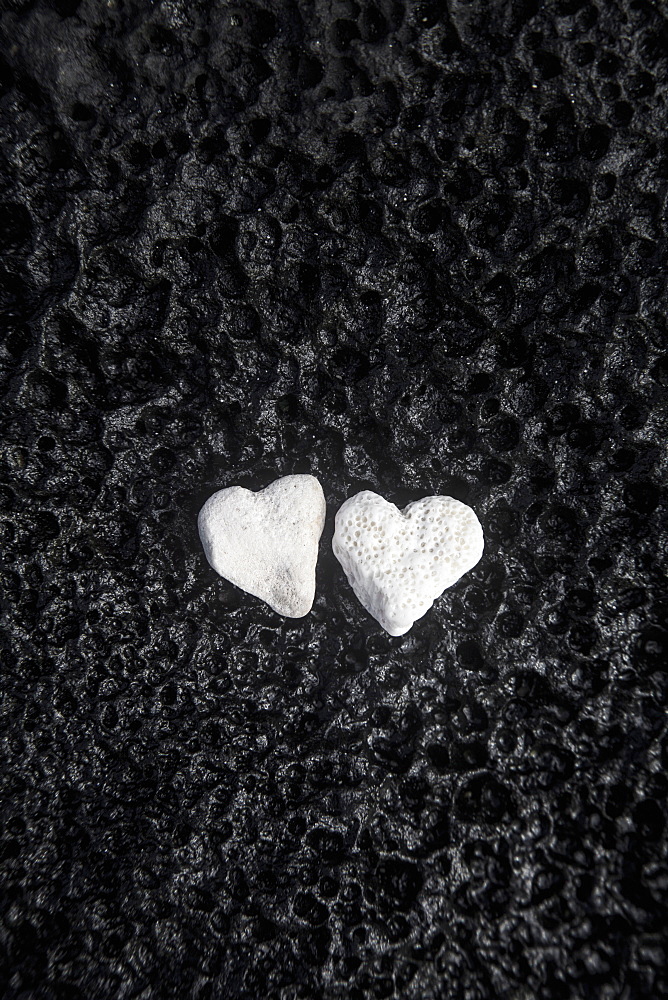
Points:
399	561
266	543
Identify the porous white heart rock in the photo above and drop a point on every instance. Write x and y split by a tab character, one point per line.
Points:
399	561
267	542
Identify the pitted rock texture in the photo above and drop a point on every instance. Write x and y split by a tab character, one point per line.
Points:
399	562
379	243
267	543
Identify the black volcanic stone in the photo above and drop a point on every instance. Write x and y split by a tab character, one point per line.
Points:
410	247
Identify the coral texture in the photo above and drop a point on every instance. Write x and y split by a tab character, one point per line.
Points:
399	562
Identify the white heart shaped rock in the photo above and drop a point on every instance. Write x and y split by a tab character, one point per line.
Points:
267	542
399	561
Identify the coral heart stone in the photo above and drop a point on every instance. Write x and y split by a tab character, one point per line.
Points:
399	561
266	543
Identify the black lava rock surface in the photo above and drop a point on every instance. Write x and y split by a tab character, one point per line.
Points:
413	247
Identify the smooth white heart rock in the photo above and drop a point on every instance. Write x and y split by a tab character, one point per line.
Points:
399	561
266	543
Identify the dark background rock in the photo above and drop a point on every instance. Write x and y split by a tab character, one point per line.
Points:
412	247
